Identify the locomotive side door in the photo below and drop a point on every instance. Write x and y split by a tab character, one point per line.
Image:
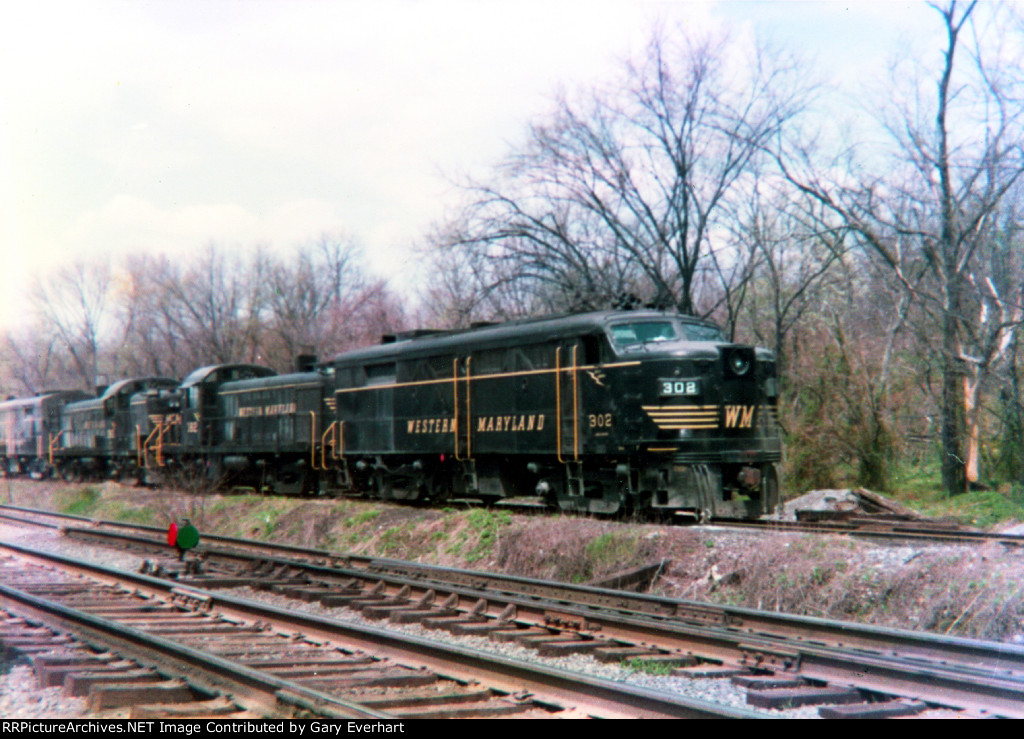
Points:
199	415
597	408
462	422
567	402
584	409
308	400
585	406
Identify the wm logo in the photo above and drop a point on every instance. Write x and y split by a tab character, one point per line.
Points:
739	416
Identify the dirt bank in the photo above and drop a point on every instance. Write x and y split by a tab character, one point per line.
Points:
969	591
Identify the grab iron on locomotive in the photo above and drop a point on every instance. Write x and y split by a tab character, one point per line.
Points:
603	412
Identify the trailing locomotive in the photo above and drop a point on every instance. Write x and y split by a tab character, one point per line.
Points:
255	427
100	437
29	430
602	412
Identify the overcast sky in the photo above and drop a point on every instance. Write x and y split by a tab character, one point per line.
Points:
165	126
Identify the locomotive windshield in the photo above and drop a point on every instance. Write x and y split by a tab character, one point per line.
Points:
646	332
624	334
703	332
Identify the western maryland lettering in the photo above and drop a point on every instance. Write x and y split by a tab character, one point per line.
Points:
483	424
444	425
739	416
278	409
522	422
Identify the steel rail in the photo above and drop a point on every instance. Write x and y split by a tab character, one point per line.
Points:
885	530
221	674
954	671
596	603
599	696
951	670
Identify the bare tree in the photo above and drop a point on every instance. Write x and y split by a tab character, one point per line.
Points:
322	301
467	287
33	362
215	306
366	317
953	157
154	343
624	190
74	301
848	396
793	249
993	311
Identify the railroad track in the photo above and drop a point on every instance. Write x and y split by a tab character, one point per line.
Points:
882	528
130	639
877	527
782	660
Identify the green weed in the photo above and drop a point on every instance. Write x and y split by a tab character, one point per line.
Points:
269	521
920	487
360	518
83	504
611	548
486	525
648	667
144	516
977	508
394	541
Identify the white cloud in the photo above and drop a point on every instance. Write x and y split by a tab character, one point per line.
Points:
166	126
127	224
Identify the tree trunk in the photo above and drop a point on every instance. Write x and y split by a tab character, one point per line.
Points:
954	469
972	391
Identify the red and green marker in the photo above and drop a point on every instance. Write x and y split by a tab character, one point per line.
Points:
183	537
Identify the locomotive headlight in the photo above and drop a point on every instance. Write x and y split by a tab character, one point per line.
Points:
739	362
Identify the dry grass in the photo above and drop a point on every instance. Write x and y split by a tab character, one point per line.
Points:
968	591
579	550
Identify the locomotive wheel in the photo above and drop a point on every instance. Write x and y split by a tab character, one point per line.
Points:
289	481
437	483
287	485
382	489
73	473
405	489
427	488
440	490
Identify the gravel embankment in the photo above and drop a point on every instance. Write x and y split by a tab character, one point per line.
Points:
20	698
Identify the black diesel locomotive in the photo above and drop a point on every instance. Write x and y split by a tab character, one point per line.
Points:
29	430
98	436
602	412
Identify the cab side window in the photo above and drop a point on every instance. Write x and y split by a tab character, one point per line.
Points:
595	349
